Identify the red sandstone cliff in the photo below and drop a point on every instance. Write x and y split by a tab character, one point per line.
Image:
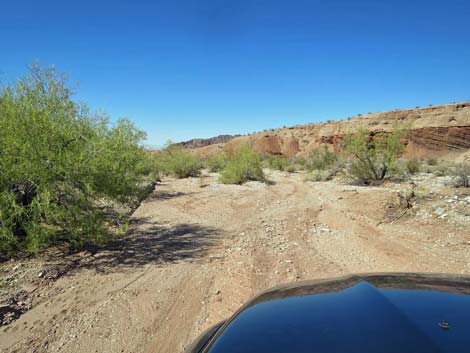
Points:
433	130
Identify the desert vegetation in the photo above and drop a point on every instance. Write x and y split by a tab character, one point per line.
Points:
321	159
322	164
412	166
217	162
278	163
242	165
176	161
374	158
365	158
62	168
462	173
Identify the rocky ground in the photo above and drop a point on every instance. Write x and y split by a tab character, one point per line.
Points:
197	250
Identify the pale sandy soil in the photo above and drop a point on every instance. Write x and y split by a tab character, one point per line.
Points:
195	254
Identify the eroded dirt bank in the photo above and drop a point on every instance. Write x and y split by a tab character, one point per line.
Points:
195	254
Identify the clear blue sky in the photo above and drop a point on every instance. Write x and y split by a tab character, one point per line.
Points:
184	69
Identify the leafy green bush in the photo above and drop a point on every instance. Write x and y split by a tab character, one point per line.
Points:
176	161
322	165
374	157
412	166
277	162
217	162
59	164
243	165
321	159
297	163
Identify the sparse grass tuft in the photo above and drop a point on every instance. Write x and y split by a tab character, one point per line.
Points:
319	175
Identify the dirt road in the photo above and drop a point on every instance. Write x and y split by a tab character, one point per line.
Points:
199	249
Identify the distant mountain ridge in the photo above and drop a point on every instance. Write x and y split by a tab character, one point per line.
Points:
197	143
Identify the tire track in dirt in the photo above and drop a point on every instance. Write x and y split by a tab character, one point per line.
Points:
198	253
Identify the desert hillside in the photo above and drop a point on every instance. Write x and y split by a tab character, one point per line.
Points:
196	143
437	130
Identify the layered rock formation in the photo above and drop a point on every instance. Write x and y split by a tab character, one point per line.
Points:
438	130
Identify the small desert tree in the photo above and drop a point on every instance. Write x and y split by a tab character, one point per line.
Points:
374	155
60	164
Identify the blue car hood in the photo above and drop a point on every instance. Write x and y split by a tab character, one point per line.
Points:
358	314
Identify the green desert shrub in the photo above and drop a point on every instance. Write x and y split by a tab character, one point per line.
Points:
412	166
176	161
243	165
462	173
300	161
217	162
292	168
442	169
374	156
319	175
321	159
60	165
297	163
277	163
322	165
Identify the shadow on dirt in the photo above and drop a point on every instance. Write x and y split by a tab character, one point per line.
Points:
167	195
146	243
150	243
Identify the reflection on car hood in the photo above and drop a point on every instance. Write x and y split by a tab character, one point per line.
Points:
371	313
